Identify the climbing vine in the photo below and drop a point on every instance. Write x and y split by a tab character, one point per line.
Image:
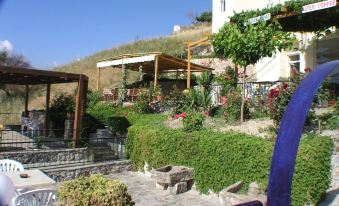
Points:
293	6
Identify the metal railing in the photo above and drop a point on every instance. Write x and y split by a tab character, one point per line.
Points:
36	151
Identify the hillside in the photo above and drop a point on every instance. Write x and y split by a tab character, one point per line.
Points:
173	45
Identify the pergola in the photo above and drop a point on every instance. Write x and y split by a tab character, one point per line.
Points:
151	63
24	76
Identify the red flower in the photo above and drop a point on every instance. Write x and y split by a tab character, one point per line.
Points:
284	85
307	70
177	116
184	114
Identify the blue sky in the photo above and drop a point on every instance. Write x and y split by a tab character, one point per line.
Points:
54	32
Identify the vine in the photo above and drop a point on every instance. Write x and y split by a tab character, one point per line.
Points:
293	6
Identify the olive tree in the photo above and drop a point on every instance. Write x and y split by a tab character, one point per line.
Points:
246	45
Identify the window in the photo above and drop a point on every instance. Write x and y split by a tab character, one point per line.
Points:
296	61
223	5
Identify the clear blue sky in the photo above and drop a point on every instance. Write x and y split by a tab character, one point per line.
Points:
61	31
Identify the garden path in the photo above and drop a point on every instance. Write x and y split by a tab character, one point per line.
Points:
143	192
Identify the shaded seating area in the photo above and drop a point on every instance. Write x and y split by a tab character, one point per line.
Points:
28	77
151	64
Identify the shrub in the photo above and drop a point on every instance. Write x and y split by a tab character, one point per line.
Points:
232	110
193	121
221	159
95	190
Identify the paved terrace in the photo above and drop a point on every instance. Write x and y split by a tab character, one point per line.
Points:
144	193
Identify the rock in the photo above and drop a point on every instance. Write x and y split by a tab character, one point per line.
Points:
233	188
161	186
253	189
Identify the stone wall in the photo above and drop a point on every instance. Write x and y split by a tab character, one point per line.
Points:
48	156
68	173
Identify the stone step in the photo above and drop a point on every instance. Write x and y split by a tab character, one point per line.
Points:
60	164
103	154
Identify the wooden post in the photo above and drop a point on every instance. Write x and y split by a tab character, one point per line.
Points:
156	67
98	78
26	101
189	67
48	94
80	108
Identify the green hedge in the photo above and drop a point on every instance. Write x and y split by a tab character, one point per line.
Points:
221	159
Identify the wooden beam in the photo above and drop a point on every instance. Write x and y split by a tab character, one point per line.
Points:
98	78
156	68
48	95
80	108
189	66
26	101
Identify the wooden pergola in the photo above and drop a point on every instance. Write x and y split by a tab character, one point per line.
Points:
151	63
25	76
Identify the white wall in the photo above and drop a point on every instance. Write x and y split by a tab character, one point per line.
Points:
269	68
219	17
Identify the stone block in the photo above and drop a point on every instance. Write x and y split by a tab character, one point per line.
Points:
178	188
161	186
172	174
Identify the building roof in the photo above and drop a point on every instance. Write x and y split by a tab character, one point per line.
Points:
24	76
167	63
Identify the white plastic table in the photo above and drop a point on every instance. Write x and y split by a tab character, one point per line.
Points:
36	179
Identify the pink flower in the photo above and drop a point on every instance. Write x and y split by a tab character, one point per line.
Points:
177	116
184	114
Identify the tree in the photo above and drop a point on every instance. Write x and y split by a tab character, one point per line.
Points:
247	44
204	17
14	60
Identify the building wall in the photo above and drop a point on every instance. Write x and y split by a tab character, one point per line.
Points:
278	67
220	16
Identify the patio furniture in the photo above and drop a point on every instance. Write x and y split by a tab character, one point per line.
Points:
34	179
7	165
41	197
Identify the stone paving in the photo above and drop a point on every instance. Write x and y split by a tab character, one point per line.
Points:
143	191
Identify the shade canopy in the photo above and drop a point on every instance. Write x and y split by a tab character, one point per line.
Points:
310	21
24	76
146	61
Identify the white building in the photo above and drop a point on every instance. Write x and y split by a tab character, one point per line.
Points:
308	53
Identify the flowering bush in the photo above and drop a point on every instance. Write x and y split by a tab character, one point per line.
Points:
192	121
279	97
232	109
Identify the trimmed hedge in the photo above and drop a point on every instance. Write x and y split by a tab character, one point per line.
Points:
221	159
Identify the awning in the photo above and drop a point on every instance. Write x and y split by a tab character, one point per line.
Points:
146	61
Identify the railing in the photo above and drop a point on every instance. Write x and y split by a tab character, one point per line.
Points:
10	118
35	150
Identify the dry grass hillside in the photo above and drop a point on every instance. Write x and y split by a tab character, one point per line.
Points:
173	45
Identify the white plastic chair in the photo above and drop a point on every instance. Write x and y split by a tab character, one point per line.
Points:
40	197
7	165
